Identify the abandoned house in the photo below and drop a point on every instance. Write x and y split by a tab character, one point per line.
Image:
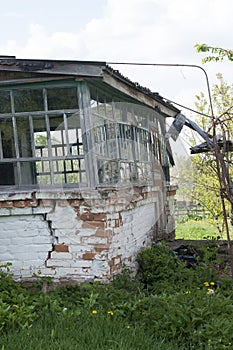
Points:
84	169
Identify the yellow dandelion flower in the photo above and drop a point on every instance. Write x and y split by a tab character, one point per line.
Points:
128	327
212	283
94	312
206	284
110	313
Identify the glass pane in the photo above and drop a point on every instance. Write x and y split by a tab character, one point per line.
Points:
82	164
74	134
7	174
118	111
109	110
43	172
43	179
62	98
24	137
83	178
108	172
28	173
68	165
125	171
28	100
143	138
7	138
58	143
60	166
56	122
72	178
59	179
141	115
5	104
40	137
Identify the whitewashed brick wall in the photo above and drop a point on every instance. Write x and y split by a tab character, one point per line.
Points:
75	239
25	241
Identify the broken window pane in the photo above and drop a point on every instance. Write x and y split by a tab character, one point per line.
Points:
24	137
62	98
7	137
5	103
28	100
52	140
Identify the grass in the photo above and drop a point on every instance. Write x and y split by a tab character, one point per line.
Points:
86	332
166	306
196	230
199	229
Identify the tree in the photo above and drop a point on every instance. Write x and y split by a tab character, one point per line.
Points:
218	53
221	160
203	171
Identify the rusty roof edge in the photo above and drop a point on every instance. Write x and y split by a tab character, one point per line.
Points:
83	68
62	67
8	60
147	91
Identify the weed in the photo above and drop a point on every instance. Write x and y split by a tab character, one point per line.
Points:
165	306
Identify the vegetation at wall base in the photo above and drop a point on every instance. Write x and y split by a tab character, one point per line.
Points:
165	306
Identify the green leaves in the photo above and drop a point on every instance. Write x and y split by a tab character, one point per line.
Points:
219	54
177	313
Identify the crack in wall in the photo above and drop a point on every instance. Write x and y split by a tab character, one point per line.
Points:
52	233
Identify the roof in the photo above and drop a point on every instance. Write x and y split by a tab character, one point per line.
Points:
86	69
226	146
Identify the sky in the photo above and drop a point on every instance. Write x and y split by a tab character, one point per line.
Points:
142	31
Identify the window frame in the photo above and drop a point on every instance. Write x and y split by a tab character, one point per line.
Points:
18	160
139	120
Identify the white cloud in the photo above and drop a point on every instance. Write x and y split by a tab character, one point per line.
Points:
11	15
140	31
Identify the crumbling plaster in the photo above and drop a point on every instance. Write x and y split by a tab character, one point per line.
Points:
78	236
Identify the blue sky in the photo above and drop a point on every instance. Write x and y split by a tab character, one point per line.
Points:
124	30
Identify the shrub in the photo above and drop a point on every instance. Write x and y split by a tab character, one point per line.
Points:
160	271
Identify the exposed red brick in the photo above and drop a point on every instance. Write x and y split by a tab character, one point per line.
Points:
114	201
61	248
20	204
117	257
118	223
103	256
86	216
137	197
101	248
46	203
33	203
93	217
75	202
116	268
6	204
111	263
89	256
93	224
99	217
103	233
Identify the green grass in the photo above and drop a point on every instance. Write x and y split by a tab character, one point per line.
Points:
86	332
197	230
166	306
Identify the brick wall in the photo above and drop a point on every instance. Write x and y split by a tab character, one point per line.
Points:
78	236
